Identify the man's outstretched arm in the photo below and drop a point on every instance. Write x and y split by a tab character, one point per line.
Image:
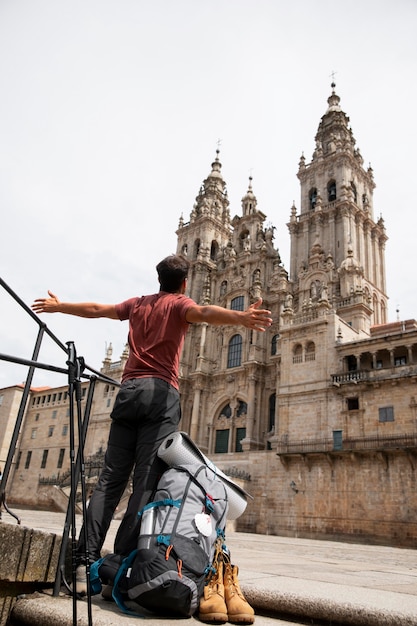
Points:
254	317
81	309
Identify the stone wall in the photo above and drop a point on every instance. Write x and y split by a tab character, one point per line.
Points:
362	497
29	560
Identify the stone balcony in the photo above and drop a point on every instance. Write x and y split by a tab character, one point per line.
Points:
373	444
374	375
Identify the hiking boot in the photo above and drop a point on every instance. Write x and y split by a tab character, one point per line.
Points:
212	605
239	611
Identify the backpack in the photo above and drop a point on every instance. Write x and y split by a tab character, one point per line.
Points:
178	533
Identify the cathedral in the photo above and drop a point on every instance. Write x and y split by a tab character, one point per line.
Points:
316	417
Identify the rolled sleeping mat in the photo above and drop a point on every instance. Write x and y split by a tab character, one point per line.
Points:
179	449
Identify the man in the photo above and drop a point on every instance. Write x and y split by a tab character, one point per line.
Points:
147	407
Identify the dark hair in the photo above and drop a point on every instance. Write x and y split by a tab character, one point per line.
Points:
172	271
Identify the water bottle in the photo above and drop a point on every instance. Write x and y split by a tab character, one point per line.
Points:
146	528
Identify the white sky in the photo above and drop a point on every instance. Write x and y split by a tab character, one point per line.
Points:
110	113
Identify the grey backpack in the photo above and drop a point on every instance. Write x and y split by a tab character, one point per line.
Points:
176	544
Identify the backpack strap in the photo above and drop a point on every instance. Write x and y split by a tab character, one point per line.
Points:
95	582
116	593
165	502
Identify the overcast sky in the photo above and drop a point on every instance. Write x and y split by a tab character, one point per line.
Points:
110	115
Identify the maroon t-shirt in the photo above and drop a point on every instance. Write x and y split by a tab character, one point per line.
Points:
157	328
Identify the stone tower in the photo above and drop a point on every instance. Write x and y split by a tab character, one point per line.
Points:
337	247
233	263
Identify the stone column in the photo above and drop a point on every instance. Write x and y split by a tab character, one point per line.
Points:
195	416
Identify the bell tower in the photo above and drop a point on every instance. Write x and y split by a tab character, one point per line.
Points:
207	232
337	247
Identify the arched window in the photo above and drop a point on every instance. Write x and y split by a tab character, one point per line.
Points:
274	343
214	250
310	351
331	191
297	353
226	411
238	303
312	196
234	355
244	240
242	408
196	247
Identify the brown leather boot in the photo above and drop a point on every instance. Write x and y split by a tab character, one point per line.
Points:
239	611
212	605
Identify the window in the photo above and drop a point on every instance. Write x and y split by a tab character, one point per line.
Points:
34	432
240	434
222	441
196	247
274	343
242	409
271	417
28	458
400	360
19	458
234	356
312	197
61	458
65	429
44	458
37	417
352	404
54	414
354	192
109	391
237	304
331	191
214	250
386	414
226	411
50	431
337	439
310	351
297	354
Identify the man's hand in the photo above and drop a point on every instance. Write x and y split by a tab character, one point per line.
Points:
256	318
47	305
81	309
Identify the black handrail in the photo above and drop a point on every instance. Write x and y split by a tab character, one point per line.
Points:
75	370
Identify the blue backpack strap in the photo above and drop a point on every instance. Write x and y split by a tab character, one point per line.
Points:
95	582
165	502
117	596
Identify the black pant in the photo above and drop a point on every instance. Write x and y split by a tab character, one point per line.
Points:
146	411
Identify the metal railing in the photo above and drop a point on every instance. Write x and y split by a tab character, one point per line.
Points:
75	367
383	373
373	442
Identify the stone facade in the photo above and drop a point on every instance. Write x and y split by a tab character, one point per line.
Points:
316	417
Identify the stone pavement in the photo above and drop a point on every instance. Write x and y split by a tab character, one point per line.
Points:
292	580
